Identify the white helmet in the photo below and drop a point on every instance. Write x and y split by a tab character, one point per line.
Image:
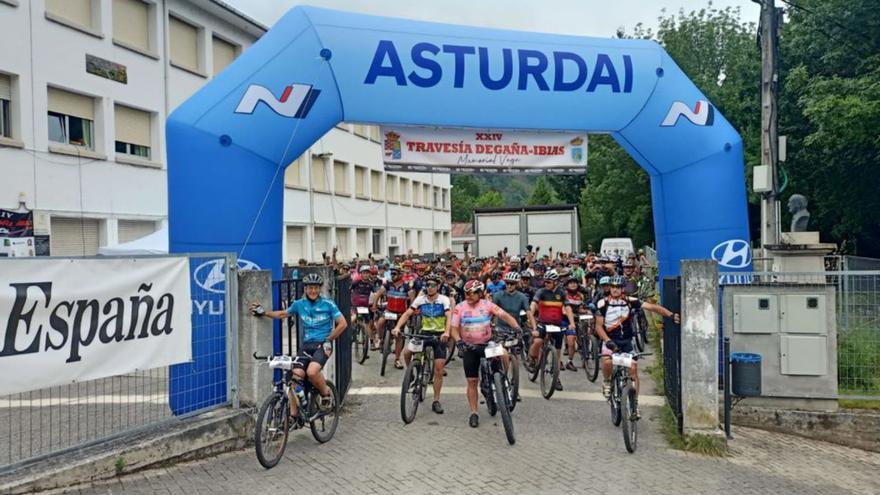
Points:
515	259
511	277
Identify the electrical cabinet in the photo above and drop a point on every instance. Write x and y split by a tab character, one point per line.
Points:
803	355
803	313
755	313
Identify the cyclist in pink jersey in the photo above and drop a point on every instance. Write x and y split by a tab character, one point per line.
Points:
472	324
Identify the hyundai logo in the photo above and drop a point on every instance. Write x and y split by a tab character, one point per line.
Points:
734	253
211	275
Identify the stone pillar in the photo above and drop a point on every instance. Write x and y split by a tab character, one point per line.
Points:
254	335
699	346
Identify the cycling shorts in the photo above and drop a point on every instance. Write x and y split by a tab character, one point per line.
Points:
622	346
558	337
470	359
311	352
440	348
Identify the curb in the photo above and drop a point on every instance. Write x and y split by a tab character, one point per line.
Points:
194	437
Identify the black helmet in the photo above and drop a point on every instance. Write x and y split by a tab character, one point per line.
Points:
313	279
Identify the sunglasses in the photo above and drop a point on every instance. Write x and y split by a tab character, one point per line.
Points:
431	284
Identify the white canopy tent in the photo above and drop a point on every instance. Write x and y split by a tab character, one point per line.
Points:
155	243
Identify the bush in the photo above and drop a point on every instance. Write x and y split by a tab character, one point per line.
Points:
858	359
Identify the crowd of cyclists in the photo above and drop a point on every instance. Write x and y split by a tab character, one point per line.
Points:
466	302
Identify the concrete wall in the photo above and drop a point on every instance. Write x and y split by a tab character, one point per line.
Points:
254	335
699	346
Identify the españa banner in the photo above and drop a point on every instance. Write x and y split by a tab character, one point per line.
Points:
481	151
71	320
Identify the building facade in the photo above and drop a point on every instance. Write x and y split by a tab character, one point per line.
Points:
85	87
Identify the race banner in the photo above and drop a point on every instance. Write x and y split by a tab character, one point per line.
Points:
71	320
481	151
16	234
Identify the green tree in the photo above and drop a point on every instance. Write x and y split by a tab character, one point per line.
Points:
568	187
489	199
543	194
465	190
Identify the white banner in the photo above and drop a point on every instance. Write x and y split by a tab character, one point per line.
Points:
479	151
71	320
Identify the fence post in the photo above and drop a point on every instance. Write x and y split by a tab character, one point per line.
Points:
230	307
699	347
254	335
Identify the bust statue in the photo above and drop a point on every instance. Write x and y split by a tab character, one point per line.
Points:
797	205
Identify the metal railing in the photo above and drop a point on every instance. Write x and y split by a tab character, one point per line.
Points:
672	349
40	423
857	307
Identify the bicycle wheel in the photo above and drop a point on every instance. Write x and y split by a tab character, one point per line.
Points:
628	405
428	371
535	370
323	424
638	335
410	391
643	325
486	388
614	402
273	425
549	371
513	377
450	351
595	347
386	348
503	400
360	341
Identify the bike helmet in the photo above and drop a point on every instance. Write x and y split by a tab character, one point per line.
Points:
394	269
474	267
551	275
408	264
628	263
364	269
313	279
525	274
514	259
511	277
606	280
433	278
474	286
618	281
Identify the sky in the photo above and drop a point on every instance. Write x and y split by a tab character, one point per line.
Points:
600	18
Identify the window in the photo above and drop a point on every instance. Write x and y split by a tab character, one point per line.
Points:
322	242
319	174
443	200
293	175
224	54
375	183
375	133
360	181
419	236
391	188
377	241
362	241
75	12
426	196
417	193
74	236
132	132
184	45
343	242
131	24
340	178
436	198
71	118
405	191
130	230
5	102
295	244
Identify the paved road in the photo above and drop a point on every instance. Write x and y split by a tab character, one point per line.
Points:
564	445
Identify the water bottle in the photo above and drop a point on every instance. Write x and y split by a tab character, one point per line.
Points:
300	394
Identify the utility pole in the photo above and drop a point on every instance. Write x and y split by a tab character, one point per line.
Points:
769	32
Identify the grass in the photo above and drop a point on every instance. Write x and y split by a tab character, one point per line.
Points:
706	445
858	359
120	465
655	336
858	404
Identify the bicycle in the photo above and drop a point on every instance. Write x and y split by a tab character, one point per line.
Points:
419	373
514	345
547	366
360	337
624	398
589	346
640	329
494	385
274	420
390	321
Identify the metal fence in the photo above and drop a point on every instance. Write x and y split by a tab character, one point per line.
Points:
672	348
40	423
857	306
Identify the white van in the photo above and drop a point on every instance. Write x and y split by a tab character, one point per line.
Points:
620	246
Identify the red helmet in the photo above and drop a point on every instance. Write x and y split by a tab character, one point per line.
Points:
474	286
407	264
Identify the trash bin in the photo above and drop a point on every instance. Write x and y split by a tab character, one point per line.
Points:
746	374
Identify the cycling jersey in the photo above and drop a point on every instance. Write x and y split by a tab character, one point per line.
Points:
396	296
511	303
317	317
550	304
433	312
475	320
617	314
493	287
576	300
360	293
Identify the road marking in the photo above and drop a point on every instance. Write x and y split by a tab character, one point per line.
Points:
645	400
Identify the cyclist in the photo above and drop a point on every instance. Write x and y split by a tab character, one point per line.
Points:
549	303
397	295
632	281
435	309
361	292
495	283
574	299
614	327
604	290
472	324
525	284
322	324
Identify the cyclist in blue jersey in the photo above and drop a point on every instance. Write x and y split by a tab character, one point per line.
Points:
322	324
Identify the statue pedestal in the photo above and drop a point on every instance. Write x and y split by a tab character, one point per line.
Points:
799	252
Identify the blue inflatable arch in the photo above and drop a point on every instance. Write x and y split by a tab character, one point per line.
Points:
229	143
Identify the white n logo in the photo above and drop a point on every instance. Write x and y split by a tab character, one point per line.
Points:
702	115
295	102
